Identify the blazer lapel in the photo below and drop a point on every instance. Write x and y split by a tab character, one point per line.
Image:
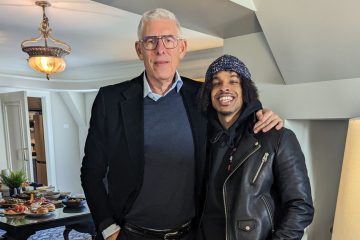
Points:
198	125
132	115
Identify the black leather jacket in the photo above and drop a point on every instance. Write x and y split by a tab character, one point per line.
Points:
267	195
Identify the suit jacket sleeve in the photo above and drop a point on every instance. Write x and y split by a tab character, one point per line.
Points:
95	164
294	187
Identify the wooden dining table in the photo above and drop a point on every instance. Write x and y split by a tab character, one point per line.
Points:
20	227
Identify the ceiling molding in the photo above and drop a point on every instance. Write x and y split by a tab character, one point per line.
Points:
91	78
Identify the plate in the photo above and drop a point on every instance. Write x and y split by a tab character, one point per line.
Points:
10	202
53	196
12	214
73	202
79	195
37	215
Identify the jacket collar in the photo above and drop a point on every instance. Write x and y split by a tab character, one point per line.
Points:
133	118
198	123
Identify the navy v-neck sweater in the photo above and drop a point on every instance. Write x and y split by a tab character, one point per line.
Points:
166	199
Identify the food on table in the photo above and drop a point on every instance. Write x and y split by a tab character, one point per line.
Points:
20	208
10	212
17	209
49	206
6	203
38	207
36	200
41	210
34	206
52	195
74	202
11	201
23	196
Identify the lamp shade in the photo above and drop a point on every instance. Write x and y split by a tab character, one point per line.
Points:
347	215
47	64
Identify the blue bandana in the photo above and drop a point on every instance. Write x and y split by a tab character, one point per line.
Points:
227	63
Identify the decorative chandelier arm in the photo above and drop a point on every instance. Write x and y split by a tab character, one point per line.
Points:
34	39
55	40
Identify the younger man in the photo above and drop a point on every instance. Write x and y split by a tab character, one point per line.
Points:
258	183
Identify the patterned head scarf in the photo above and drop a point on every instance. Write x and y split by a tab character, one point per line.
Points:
227	63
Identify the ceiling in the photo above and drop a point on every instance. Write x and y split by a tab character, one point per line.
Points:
310	41
98	34
221	18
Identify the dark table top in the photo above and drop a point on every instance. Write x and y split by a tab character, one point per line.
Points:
58	214
22	226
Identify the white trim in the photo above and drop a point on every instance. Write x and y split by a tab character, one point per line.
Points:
48	134
7	137
26	157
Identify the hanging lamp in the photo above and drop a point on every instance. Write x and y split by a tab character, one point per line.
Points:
46	59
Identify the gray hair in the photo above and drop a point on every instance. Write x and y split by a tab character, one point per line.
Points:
155	14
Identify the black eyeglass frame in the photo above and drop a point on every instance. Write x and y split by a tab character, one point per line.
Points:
156	38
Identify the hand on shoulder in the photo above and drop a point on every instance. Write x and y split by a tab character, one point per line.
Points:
267	120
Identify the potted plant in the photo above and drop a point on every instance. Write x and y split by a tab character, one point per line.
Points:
13	180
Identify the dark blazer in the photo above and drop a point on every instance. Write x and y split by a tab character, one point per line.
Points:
114	148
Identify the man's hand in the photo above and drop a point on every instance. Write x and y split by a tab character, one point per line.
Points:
267	119
114	236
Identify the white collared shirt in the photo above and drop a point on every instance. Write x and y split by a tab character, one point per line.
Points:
154	96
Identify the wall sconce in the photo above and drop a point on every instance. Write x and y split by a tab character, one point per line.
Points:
46	59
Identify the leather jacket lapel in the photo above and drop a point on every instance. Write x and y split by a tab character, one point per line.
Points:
247	145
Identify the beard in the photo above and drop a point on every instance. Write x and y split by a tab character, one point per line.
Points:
224	113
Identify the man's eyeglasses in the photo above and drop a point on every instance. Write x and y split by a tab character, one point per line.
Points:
151	42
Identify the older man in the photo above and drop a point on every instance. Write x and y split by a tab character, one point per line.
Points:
147	139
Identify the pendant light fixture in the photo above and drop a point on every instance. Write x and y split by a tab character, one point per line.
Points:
45	58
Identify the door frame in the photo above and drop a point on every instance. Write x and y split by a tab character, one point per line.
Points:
48	133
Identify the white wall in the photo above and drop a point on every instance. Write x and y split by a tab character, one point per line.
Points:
323	143
320	100
69	122
75	102
66	144
253	50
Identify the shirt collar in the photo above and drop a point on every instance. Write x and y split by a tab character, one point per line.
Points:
154	96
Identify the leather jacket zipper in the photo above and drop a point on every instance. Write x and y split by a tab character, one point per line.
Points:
224	185
263	161
267	206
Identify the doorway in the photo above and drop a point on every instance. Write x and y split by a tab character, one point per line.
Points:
37	140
